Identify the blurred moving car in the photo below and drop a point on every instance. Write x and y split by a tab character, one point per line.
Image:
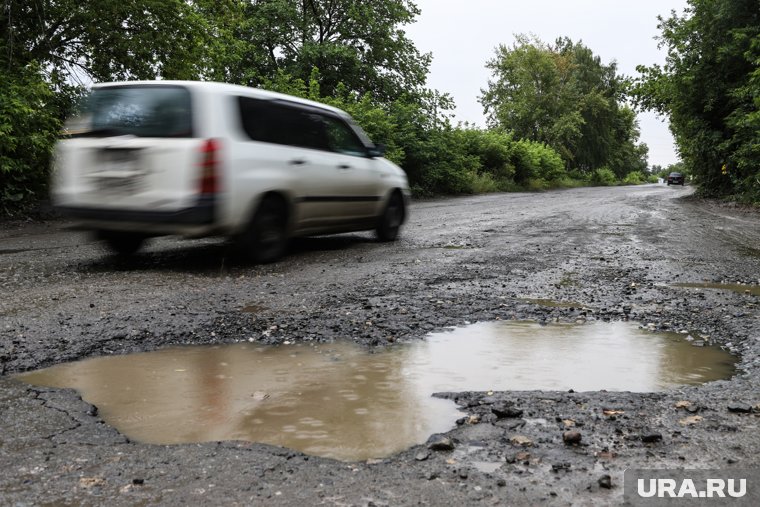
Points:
675	179
196	159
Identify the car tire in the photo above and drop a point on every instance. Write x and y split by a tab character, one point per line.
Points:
390	221
122	243
266	238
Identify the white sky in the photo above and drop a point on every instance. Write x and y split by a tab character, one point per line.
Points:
463	34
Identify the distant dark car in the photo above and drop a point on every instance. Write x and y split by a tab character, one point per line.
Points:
675	179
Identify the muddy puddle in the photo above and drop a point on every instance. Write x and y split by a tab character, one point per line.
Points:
339	400
753	290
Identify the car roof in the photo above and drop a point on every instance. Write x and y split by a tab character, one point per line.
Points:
212	86
674	174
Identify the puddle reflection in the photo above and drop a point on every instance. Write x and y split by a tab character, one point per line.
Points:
337	400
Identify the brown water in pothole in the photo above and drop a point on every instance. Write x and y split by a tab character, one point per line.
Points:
753	290
338	400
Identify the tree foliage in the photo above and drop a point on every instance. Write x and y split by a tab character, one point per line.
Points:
709	87
104	39
28	128
564	96
358	44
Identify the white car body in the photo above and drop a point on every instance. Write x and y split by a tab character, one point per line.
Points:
212	177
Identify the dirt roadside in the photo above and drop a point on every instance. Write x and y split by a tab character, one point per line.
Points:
616	250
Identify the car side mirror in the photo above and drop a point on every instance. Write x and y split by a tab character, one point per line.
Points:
377	151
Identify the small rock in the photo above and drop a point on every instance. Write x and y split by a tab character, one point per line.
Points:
739	408
521	440
571	437
509	424
691	420
649	438
506	410
556	467
605	482
522	456
501	483
440	442
138	482
422	455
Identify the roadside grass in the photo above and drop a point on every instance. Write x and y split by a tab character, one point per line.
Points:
485	183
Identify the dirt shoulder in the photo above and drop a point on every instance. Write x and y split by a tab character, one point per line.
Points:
615	250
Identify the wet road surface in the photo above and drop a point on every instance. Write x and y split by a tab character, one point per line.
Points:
618	252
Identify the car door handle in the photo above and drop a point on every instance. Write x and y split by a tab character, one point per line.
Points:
344	166
297	161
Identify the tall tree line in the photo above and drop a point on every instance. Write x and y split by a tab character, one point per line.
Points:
709	87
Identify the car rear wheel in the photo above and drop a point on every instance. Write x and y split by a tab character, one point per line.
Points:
122	243
391	219
266	238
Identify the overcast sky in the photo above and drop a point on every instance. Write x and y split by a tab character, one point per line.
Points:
462	35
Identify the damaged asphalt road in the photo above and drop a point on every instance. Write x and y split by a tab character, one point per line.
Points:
617	251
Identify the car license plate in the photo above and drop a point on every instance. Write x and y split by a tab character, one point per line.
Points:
119	170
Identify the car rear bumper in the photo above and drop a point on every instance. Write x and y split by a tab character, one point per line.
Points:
193	220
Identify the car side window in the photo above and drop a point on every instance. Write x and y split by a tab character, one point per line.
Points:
341	139
270	122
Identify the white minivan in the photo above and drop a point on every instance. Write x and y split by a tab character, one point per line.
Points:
151	158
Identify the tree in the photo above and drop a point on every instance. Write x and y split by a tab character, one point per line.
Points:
709	87
75	40
354	42
564	96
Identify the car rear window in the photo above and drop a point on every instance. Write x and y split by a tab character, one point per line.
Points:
140	110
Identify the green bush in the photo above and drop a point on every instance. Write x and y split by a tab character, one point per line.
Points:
526	161
28	130
493	150
634	178
534	160
483	183
551	167
603	177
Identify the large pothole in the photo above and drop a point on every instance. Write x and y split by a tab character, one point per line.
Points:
339	400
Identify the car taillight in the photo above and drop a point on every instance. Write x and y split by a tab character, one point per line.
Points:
209	180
